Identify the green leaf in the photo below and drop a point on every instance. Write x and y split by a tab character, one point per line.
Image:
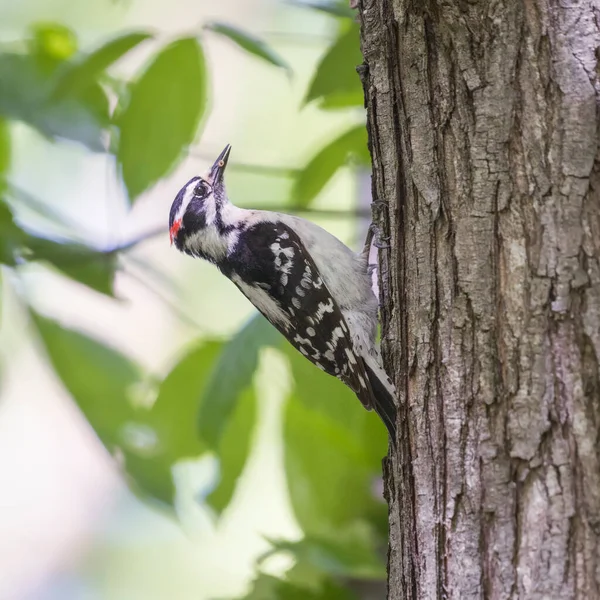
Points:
86	69
151	437
99	378
328	471
320	392
351	553
86	265
5	152
326	394
11	236
336	9
248	42
233	373
25	96
170	424
267	587
80	117
336	83
322	167
91	267
176	407
163	114
52	42
234	449
104	383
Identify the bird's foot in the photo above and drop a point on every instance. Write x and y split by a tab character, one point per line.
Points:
375	236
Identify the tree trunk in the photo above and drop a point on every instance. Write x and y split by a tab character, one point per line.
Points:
483	131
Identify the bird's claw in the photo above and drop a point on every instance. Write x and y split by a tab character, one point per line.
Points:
378	239
374	237
378	203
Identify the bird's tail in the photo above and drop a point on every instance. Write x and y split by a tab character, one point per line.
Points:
384	397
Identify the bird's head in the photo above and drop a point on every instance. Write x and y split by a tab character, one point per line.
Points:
198	203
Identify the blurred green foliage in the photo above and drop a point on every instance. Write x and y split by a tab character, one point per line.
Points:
351	145
207	403
248	42
160	118
335	87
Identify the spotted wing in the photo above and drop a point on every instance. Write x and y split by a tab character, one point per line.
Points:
273	269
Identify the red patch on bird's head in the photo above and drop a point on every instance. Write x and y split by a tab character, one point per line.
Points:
174	229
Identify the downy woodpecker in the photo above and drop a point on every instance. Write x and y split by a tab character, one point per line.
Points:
306	282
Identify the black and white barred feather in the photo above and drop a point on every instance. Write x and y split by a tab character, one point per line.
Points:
307	283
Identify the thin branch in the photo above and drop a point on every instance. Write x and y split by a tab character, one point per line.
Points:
266	169
55	216
317	212
298	39
173	306
163	280
252	168
327	213
153	233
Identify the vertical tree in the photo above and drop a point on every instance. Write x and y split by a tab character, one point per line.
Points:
484	138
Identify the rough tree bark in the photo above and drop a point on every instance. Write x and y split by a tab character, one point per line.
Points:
483	131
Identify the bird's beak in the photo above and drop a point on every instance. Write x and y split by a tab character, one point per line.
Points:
215	175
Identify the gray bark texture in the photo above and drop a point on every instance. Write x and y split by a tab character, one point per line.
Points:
483	129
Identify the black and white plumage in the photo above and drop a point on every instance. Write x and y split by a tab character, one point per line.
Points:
306	282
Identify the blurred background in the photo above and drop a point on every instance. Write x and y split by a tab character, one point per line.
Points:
158	439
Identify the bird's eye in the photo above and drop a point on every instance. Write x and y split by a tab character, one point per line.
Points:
201	190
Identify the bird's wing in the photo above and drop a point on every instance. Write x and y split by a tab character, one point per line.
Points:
273	269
